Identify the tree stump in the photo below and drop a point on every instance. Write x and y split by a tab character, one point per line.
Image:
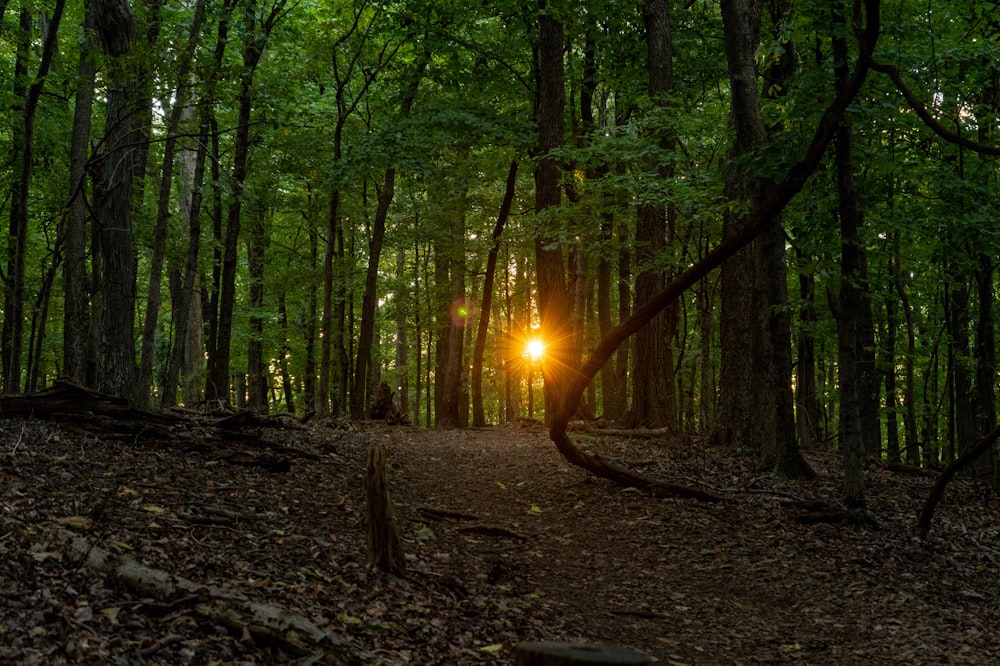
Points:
385	549
569	654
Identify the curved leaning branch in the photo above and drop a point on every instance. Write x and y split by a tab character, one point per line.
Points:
753	224
984	444
925	115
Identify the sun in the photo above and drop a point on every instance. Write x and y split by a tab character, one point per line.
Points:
535	349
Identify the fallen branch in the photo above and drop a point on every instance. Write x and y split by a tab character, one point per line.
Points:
937	490
267	625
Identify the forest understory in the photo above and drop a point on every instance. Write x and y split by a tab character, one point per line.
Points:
504	542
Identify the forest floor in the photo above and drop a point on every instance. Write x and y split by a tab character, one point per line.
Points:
504	542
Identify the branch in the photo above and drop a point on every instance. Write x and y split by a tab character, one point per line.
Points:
933	123
753	224
937	490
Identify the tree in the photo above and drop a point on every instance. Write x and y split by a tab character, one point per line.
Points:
257	25
24	138
756	401
117	371
654	402
554	300
76	309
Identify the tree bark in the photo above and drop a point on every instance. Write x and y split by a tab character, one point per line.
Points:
258	25
117	370
153	293
855	336
756	401
257	243
26	98
76	315
366	334
654	399
554	300
486	304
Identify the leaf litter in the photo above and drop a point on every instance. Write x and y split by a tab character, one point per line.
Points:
505	542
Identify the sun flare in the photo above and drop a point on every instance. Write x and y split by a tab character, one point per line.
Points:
535	349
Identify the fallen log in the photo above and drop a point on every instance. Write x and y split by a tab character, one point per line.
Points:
267	625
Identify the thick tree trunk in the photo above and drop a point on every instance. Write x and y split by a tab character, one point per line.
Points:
855	347
756	401
738	388
117	370
554	300
654	399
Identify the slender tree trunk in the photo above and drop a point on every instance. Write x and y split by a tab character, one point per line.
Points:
911	445
985	397
257	28
959	348
26	98
160	226
486	305
366	334
888	369
402	304
366	337
449	407
309	392
187	355
257	244
76	316
809	410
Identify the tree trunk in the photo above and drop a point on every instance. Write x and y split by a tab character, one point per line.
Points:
985	354
738	387
257	244
366	336
187	355
486	305
809	411
911	452
76	314
654	399
257	29
403	304
554	300
26	100
117	371
153	293
855	355
756	402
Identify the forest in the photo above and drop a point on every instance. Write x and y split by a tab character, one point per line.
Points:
279	205
764	229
